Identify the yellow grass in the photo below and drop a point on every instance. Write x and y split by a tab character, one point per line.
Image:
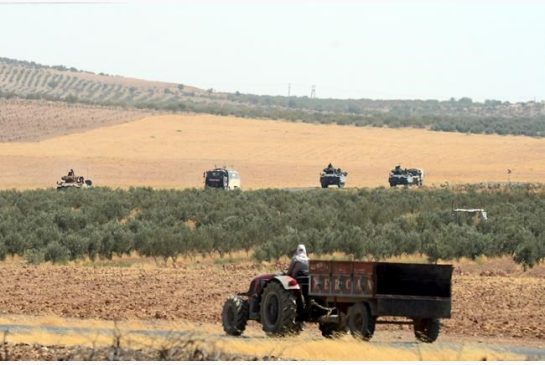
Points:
306	346
174	150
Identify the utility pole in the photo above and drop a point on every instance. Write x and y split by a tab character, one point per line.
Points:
289	90
313	92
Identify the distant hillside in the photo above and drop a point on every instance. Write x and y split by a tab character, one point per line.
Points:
34	81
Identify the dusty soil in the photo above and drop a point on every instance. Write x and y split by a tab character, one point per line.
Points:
174	150
191	352
507	306
35	120
207	344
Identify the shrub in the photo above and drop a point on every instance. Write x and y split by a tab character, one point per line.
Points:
56	253
34	256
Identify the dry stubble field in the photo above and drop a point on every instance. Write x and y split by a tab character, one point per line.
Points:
174	150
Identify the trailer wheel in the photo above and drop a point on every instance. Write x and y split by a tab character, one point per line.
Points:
331	330
427	329
360	321
324	186
279	311
235	315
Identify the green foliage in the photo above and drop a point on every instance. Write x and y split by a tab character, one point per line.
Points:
3	251
46	225
34	256
56	253
529	250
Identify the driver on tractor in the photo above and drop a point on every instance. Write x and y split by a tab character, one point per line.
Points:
299	263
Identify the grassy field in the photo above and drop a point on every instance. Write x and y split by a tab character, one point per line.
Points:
174	150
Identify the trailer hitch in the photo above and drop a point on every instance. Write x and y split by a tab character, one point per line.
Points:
328	309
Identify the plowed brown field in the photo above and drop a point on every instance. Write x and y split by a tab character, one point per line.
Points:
510	306
36	120
173	151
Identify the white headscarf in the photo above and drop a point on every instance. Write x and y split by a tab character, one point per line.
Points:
301	253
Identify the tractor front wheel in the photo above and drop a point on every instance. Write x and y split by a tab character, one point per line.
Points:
235	315
279	311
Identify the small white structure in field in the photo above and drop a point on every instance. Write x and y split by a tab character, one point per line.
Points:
481	212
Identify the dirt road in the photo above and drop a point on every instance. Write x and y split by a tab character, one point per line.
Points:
386	345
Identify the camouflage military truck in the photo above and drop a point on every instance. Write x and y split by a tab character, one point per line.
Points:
332	176
71	180
401	176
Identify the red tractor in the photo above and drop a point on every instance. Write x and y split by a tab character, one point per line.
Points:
345	296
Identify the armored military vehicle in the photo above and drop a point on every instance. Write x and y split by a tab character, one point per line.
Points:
332	176
222	178
400	176
72	181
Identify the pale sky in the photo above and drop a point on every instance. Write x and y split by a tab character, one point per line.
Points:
348	49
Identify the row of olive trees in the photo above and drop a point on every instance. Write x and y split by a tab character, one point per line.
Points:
46	225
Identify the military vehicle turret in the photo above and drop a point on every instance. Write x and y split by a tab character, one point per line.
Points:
400	176
71	180
222	178
332	176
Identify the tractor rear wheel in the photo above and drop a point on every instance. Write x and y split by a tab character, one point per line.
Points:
360	321
279	311
235	315
427	329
